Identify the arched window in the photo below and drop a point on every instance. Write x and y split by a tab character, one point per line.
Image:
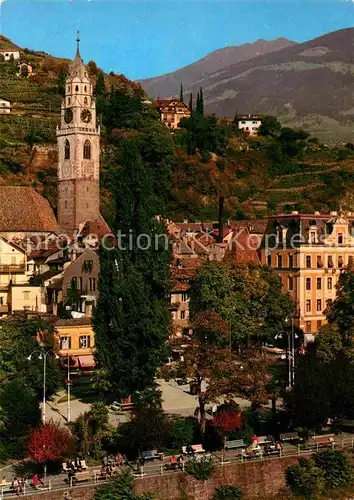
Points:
85	100
67	150
85	88
76	88
87	150
69	101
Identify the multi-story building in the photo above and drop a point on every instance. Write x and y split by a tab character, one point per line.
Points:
172	111
75	343
309	252
249	123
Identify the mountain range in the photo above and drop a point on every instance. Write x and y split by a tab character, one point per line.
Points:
308	84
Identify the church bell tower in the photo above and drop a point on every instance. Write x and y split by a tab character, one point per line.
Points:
79	151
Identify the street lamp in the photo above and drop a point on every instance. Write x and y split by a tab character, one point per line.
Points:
291	350
43	356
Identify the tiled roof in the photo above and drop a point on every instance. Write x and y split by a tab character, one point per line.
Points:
97	228
74	322
23	209
243	249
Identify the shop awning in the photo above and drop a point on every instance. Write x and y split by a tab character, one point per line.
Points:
87	361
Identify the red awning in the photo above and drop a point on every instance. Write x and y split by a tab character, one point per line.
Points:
87	361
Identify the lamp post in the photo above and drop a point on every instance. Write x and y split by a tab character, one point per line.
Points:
291	350
43	356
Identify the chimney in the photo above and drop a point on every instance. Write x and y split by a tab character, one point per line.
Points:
221	217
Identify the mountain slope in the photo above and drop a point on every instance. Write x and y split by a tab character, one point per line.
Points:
169	84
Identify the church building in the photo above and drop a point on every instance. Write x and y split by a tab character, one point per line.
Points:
78	151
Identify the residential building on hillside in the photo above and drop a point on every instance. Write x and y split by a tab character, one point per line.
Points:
309	252
249	123
5	106
16	291
9	53
172	111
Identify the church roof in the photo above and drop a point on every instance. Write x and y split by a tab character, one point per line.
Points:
25	210
77	67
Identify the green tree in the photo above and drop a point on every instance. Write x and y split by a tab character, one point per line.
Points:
181	93
60	81
200	103
248	297
121	489
227	492
18	339
341	312
100	88
337	467
190	105
269	126
131	319
20	413
305	479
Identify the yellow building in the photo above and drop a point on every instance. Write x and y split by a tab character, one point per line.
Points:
76	342
309	252
172	111
16	293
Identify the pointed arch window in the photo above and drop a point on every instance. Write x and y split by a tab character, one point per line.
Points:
85	101
76	88
87	150
67	150
69	101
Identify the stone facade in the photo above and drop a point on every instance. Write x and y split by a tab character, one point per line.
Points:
78	151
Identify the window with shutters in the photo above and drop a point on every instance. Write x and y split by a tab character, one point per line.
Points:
291	261
65	342
84	341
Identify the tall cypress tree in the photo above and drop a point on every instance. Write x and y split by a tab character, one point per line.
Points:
181	93
100	88
201	102
132	320
197	104
190	105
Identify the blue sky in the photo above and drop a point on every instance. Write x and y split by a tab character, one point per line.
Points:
143	39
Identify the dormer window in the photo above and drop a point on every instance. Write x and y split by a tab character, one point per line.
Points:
340	238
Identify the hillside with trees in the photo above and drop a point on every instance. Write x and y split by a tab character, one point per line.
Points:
279	171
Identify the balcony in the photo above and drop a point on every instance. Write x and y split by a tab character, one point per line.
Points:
12	268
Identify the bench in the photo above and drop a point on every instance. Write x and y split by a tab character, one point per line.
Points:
289	436
81	477
236	443
264	440
151	455
115	406
323	440
197	448
348	423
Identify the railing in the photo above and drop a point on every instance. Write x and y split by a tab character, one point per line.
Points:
12	268
56	483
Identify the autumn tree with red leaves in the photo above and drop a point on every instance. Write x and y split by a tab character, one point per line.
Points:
50	443
228	421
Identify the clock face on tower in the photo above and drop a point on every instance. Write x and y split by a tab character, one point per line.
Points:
68	115
86	116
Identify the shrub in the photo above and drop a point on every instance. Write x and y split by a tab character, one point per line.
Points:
305	479
121	489
201	469
50	443
182	432
227	492
337	468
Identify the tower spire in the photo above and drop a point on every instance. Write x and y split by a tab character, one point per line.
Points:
78	43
